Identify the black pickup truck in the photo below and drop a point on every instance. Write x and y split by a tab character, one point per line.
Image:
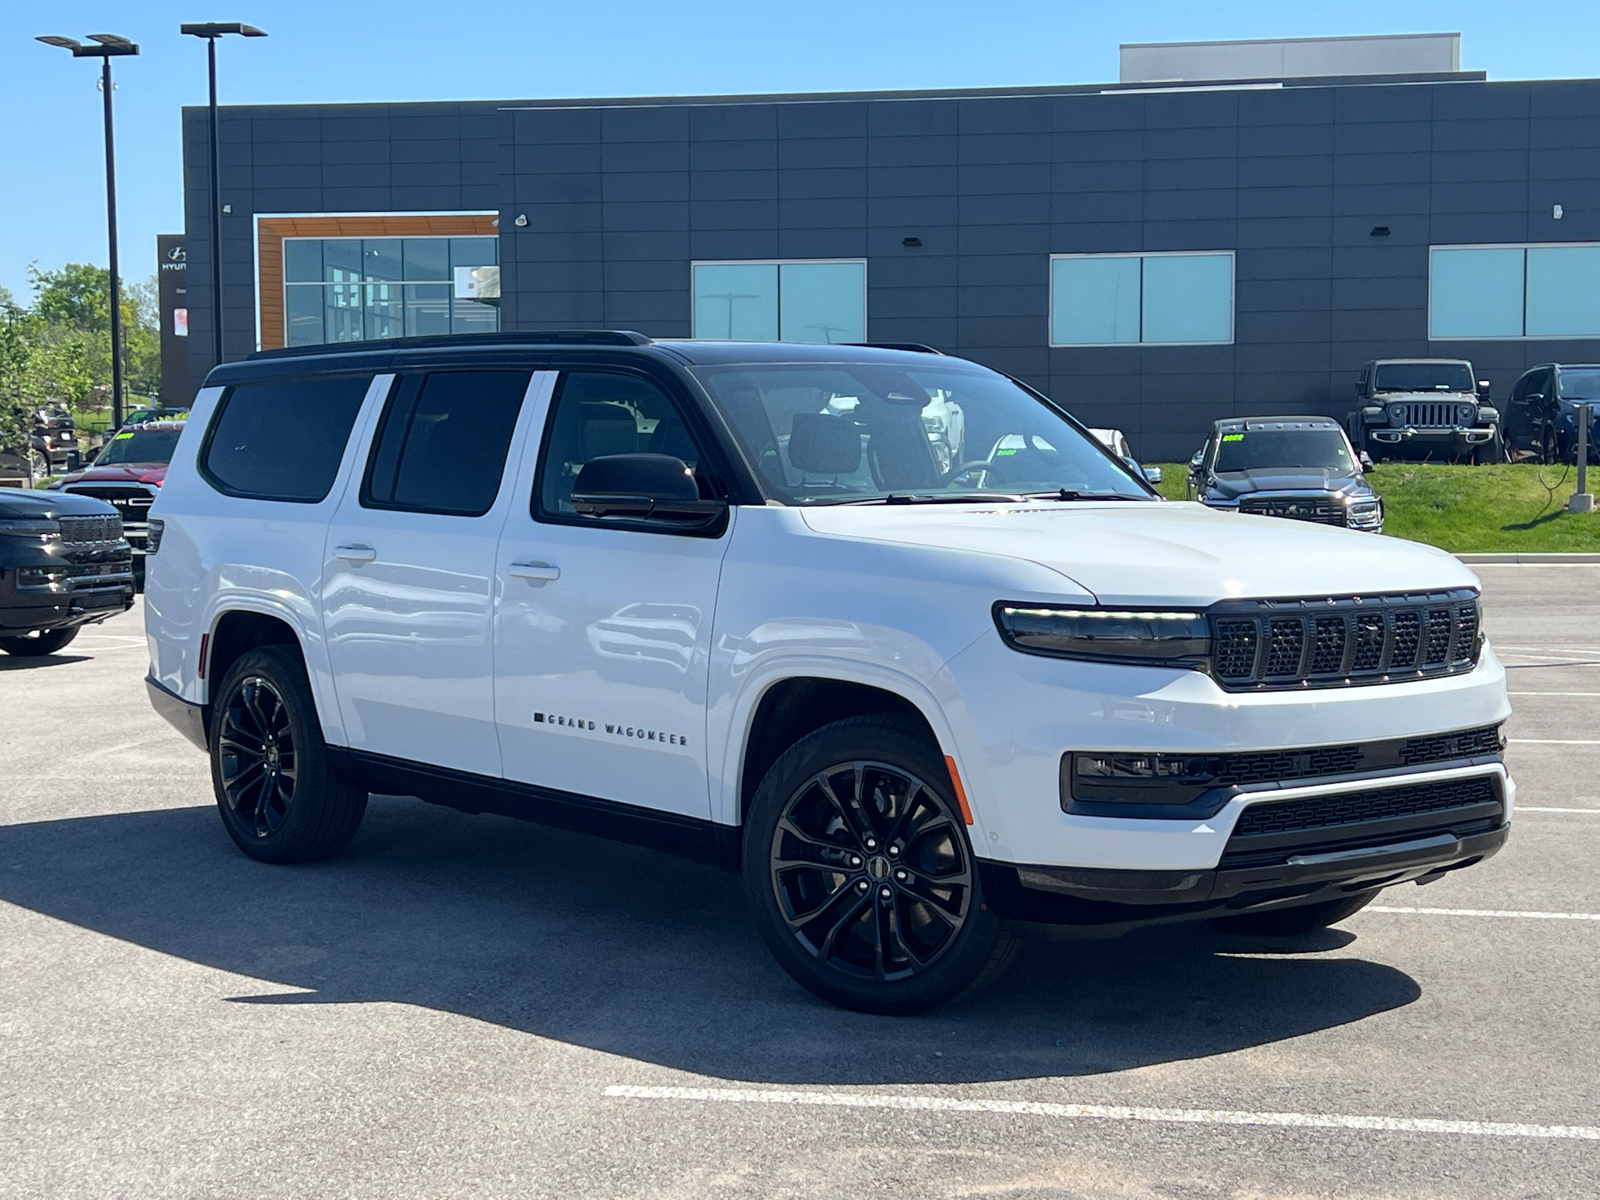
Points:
63	564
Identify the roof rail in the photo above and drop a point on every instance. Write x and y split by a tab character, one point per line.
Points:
914	347
533	337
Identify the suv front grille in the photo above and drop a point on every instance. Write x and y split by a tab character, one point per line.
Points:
82	531
1296	508
1271	644
1430	413
132	503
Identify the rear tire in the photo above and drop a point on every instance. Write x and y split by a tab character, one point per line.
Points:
860	875
1289	921
280	800
39	643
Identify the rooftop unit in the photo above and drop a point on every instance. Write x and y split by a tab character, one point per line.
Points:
1291	58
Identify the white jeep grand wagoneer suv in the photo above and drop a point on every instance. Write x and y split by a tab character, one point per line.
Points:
883	628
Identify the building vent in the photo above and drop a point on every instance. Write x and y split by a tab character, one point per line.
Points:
1291	58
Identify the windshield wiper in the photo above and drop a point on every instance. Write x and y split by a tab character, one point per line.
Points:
1069	494
931	498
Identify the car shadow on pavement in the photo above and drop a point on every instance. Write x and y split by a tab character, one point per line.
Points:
639	954
13	662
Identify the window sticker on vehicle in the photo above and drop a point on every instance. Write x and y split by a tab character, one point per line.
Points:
1233	437
120	436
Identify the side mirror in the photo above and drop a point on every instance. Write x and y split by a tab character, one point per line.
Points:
1151	474
1483	387
1195	461
1365	460
642	486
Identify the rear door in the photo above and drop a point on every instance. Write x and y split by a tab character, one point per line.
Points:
409	569
603	627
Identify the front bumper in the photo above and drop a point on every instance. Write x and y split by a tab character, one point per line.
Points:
1278	869
1458	435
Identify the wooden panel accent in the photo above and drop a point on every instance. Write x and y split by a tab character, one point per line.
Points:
270	232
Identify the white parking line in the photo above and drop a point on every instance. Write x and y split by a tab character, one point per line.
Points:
1522	808
1553	742
1485	912
1553	693
1103	1112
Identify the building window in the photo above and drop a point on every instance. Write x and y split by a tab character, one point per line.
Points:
1182	299
348	289
805	301
1525	292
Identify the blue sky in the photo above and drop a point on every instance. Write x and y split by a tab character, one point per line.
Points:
52	199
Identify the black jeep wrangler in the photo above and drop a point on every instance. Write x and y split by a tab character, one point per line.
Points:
63	564
1425	408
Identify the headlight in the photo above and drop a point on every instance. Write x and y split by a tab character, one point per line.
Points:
153	532
1397	411
1466	412
29	527
1157	637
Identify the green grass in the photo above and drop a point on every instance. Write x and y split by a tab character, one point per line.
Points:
1471	509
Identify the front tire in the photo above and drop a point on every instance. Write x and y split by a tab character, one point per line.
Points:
280	800
39	643
860	875
1286	922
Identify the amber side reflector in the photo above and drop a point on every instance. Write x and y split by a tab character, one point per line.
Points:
961	792
206	637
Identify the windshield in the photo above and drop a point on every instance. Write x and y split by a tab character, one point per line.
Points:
1263	449
139	446
1423	377
1580	385
833	433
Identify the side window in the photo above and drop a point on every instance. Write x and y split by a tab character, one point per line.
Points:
282	441
598	414
442	445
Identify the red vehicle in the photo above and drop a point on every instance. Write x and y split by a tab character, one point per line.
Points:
128	475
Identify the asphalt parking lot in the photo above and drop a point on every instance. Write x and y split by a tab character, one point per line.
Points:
472	1007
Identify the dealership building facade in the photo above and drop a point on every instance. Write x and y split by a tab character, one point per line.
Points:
1232	229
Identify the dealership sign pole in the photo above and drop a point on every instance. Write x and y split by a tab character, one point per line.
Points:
109	46
211	31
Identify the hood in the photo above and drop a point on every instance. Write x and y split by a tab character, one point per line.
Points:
1233	484
150	473
1171	552
50	505
1424	397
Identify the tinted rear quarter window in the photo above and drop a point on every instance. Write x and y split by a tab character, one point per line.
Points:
282	441
443	443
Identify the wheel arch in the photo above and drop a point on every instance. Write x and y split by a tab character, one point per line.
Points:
237	628
788	706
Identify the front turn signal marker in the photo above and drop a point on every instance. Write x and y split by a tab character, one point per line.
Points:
961	792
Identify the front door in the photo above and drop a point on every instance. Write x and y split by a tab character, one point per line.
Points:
409	569
603	627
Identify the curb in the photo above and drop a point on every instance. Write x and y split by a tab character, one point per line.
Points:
1568	559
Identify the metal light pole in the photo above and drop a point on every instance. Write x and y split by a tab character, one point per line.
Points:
108	46
211	31
1582	500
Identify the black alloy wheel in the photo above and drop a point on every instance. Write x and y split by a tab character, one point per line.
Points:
39	642
255	748
279	797
861	875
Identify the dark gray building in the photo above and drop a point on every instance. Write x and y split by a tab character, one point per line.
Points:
1155	254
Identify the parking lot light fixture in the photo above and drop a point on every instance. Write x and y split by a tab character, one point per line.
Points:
211	31
106	47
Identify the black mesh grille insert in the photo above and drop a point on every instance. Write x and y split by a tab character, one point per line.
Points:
1285	641
1466	633
1322	812
1439	624
1442	747
1328	655
1369	642
1236	649
1407	627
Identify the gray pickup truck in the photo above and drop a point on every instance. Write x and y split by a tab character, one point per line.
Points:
1425	408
